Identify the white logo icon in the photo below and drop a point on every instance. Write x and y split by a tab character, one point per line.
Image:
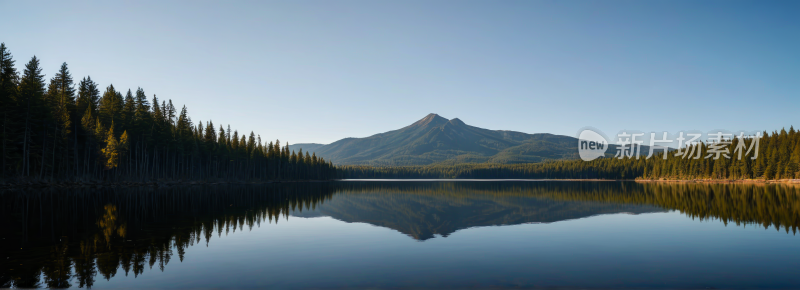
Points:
591	145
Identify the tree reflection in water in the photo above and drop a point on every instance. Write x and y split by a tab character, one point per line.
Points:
63	238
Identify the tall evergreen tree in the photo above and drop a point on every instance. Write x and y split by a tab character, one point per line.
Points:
235	141
66	96
223	141
88	121
30	99
61	95
210	136
111	151
88	96
8	92
142	105
110	106
128	110
8	77
100	131
142	120
251	143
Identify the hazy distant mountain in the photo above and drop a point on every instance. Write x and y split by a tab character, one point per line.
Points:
434	139
307	147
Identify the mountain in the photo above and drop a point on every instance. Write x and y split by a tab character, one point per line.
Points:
307	147
434	139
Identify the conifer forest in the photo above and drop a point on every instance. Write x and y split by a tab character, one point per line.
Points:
777	157
64	129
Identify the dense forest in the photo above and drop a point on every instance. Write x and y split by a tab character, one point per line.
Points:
56	131
778	157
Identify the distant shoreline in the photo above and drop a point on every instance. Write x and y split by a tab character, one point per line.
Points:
475	179
141	184
189	183
744	181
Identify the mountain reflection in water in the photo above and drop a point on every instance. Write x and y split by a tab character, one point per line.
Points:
66	238
422	211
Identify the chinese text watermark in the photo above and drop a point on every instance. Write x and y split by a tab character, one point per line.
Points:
592	145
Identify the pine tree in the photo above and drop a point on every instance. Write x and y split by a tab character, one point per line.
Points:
111	151
251	143
794	161
198	132
142	106
157	113
61	96
128	111
30	99
88	95
110	106
210	136
88	122
64	87
243	146
124	144
235	141
8	77
169	111
100	131
8	92
223	141
228	135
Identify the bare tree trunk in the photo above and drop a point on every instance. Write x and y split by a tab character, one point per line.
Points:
5	121
75	148
44	146
55	140
26	170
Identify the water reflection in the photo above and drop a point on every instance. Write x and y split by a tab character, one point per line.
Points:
99	231
68	238
425	210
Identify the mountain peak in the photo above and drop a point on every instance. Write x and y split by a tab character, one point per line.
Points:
430	119
457	121
434	139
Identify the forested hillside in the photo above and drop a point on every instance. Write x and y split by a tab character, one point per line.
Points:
778	158
434	139
58	131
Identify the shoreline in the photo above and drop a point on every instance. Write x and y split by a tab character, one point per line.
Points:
157	184
140	184
737	181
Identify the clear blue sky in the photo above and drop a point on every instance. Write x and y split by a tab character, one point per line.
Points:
318	71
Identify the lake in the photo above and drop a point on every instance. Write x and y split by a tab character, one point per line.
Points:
404	234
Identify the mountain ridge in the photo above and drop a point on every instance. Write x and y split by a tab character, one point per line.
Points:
435	139
307	147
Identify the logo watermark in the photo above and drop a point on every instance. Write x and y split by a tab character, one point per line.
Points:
593	144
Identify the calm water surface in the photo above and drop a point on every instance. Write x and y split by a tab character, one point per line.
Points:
510	234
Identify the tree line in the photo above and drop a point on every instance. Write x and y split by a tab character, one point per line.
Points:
777	156
57	131
756	204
